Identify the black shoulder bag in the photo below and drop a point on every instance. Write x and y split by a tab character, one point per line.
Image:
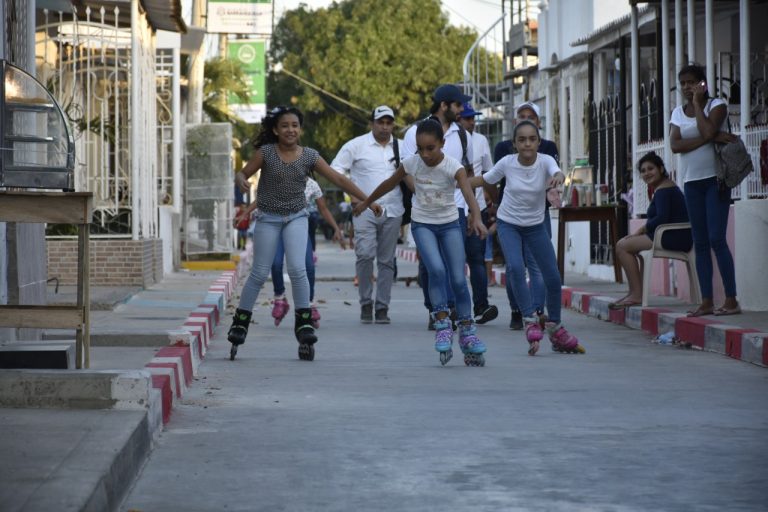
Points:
407	194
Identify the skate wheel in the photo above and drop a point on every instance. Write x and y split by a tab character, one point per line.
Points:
474	359
445	357
533	348
232	352
580	350
306	352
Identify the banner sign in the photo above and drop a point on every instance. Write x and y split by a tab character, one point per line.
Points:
240	16
252	58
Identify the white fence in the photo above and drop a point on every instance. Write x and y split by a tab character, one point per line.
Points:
755	187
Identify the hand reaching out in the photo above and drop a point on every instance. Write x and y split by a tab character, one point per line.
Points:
242	182
554	198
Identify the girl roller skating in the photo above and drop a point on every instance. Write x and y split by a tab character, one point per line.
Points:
280	306
520	220
439	240
282	214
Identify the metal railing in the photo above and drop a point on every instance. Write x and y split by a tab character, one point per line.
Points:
484	71
755	186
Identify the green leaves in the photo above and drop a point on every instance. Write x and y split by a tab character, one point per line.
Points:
368	52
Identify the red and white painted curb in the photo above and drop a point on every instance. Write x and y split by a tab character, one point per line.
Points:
710	334
174	367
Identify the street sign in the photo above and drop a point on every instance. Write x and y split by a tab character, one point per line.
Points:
240	16
252	58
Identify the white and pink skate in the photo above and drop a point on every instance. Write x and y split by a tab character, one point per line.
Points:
315	317
280	309
534	334
563	341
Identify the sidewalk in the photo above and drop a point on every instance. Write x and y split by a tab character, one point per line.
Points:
743	337
75	439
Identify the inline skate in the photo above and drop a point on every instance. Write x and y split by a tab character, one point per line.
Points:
239	330
471	346
280	309
305	334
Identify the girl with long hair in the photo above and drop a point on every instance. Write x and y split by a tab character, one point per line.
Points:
285	166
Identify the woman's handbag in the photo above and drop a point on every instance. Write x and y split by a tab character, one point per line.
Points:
734	161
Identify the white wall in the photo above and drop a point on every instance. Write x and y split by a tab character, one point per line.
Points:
751	246
169	234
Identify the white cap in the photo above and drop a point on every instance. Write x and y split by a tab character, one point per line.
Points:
528	104
383	111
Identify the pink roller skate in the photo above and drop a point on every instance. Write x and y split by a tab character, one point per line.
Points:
533	333
280	309
562	340
315	317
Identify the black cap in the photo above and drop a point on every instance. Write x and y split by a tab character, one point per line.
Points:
449	93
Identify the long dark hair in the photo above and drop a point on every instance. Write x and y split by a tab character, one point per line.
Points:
267	134
655	160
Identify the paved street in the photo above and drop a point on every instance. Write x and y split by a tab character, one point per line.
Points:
375	423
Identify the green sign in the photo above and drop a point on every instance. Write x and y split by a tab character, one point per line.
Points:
252	58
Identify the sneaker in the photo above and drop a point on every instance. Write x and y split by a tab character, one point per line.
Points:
486	314
381	316
366	313
516	323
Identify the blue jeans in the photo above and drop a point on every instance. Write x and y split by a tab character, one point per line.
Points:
708	210
513	238
536	281
268	230
277	269
441	248
474	252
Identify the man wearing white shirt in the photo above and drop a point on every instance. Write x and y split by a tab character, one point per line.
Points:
473	245
369	159
447	103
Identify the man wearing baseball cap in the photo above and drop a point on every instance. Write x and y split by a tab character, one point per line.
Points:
369	160
527	111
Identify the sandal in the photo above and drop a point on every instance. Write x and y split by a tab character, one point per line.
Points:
623	304
700	312
725	311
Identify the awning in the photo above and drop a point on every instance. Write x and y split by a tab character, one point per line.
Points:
615	29
162	14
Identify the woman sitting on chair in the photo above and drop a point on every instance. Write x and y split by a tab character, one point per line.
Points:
667	207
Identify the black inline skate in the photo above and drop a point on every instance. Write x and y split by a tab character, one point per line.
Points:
238	331
305	334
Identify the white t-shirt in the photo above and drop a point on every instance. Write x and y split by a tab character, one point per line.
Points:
452	148
433	201
700	163
481	164
368	164
526	189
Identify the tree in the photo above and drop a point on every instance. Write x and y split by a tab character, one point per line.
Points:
368	52
222	77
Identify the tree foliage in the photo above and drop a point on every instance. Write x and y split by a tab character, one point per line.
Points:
223	76
369	53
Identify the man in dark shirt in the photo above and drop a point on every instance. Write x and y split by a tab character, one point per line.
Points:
527	111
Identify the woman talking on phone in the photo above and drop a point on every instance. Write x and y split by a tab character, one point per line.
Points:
695	126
